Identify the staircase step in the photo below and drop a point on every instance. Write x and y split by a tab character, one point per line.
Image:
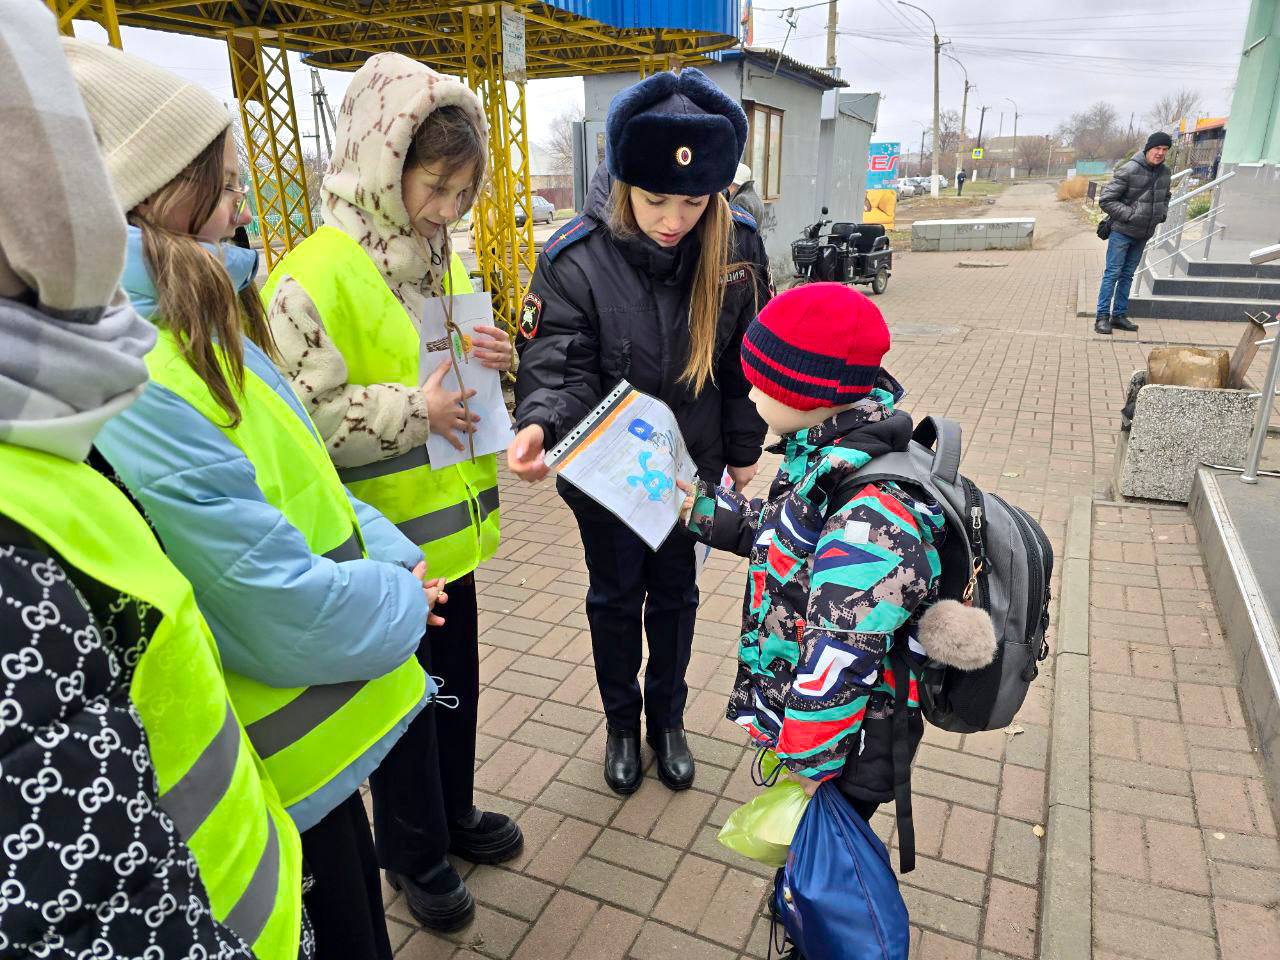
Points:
1164	307
1231	269
1234	287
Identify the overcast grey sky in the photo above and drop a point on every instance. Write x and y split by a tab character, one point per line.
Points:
1053	58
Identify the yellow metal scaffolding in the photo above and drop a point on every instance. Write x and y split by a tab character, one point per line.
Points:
459	37
260	74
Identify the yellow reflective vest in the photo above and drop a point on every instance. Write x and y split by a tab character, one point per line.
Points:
305	735
211	784
452	513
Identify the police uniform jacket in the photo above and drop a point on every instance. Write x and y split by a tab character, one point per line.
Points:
603	308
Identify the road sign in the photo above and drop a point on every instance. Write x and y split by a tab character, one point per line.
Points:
977	153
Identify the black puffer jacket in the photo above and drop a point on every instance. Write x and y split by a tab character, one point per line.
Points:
609	308
1137	198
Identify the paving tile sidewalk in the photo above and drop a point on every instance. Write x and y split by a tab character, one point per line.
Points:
641	879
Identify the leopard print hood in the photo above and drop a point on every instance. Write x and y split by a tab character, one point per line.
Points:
389	98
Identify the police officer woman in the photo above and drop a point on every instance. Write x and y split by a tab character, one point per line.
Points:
654	283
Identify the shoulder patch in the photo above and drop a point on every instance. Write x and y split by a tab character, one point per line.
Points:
744	218
567	236
530	314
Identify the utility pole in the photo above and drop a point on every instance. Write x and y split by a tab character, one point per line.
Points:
964	114
981	118
325	121
833	21
1013	169
937	54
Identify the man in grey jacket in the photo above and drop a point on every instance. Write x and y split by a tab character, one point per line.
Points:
1137	202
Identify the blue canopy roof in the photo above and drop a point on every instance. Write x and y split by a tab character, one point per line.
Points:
710	16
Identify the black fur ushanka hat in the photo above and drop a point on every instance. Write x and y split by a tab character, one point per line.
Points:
675	133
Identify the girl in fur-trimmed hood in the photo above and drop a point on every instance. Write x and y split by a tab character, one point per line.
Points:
345	307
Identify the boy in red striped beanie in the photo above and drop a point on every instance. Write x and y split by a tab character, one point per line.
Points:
841	571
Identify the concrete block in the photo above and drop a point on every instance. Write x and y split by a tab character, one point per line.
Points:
1174	430
948	228
932	231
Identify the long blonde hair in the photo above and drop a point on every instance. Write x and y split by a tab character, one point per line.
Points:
715	235
194	295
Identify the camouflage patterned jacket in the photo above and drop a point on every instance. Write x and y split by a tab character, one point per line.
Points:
831	586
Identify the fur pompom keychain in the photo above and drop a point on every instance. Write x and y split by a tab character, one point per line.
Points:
958	635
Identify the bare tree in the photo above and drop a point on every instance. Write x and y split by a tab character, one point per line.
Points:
559	142
1095	133
1169	110
1033	152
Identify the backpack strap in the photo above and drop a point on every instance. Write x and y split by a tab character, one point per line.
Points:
902	759
943	437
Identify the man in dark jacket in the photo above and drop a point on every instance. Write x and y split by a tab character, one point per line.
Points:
1137	202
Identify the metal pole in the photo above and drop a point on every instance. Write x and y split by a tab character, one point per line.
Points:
1013	163
937	55
977	164
964	113
1265	399
1210	224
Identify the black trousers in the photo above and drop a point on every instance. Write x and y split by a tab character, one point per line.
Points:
345	900
629	583
425	782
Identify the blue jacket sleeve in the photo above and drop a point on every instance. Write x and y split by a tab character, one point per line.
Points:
281	614
383	540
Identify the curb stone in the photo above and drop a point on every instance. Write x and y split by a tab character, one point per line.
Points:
1066	915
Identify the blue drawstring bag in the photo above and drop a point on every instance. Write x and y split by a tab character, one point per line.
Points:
837	896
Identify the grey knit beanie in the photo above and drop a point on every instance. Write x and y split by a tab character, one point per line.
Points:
150	123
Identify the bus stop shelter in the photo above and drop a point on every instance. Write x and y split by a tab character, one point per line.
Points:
494	47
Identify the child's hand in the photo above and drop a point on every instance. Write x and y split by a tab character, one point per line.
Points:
434	590
691	495
810	786
741	476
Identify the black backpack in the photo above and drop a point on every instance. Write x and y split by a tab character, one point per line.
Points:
996	557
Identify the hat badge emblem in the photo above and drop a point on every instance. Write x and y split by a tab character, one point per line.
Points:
684	156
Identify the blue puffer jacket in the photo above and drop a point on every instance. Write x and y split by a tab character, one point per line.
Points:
281	614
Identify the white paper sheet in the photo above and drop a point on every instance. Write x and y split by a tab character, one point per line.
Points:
626	455
494	432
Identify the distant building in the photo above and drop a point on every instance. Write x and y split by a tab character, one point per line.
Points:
1199	143
545	179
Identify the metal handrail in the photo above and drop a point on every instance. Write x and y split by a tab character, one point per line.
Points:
1187	246
1211	185
1265	400
1179	202
1157	240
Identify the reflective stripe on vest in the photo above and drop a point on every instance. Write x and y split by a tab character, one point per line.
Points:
451	513
305	735
211	784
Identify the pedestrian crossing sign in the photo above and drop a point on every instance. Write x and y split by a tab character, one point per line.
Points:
977	153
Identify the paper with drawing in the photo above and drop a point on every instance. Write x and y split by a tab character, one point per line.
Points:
493	432
627	455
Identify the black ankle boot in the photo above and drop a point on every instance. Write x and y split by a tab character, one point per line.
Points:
486	838
1122	322
438	899
675	761
1102	324
622	760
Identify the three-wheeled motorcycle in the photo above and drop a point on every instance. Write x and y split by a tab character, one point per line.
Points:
849	253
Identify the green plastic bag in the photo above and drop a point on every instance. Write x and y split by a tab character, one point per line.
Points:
762	827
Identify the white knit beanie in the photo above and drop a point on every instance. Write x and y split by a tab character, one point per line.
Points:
150	123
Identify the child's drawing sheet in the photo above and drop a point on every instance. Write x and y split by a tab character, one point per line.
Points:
627	455
493	432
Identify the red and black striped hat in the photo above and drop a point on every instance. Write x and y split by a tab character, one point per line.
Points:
818	345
